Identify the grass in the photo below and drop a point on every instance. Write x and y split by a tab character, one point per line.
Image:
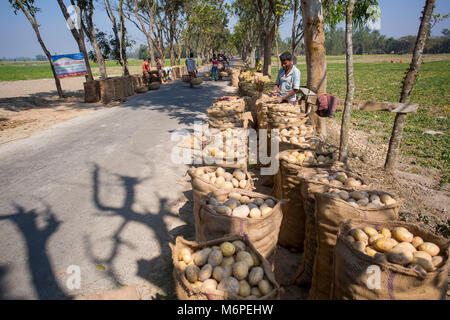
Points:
382	81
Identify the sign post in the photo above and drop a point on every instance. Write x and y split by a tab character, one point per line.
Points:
69	65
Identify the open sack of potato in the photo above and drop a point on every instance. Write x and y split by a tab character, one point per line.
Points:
287	186
320	180
228	268
332	208
413	264
207	179
228	147
241	212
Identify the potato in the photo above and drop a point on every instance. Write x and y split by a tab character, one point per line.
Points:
242	184
374	197
244	288
245	200
270	202
239	245
235	195
209	285
220	172
370	231
235	183
341	176
182	266
255	292
358	195
228	176
429	247
215	258
256	260
229	285
227	186
416	241
245	256
221	209
351	239
219	181
205	272
343	195
192	272
401	234
400	256
387	199
371	252
201	257
407	246
363	202
219	273
265	210
213	201
438	261
353	183
228	271
240	270
336	183
241	212
265	287
232	203
255	213
258	201
380	257
199	172
360	245
375	237
386	233
256	275
239	174
185	255
417	267
424	259
359	235
382	245
228	249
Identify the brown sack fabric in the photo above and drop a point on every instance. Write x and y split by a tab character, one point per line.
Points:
351	273
201	187
308	187
262	232
91	91
329	212
187	291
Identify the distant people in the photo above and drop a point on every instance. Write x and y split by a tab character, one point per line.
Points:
191	66
259	65
288	80
161	73
146	71
215	68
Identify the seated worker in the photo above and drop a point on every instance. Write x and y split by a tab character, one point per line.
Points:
191	66
168	73
288	80
146	71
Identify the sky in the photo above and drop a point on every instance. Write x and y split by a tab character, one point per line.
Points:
398	18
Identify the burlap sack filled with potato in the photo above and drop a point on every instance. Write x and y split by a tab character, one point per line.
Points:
329	212
287	186
202	186
354	280
309	184
262	231
187	290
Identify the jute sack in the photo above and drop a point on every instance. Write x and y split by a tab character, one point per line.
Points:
397	282
188	291
201	187
196	81
119	89
154	85
262	232
176	72
308	187
185	78
235	77
130	85
107	90
329	212
91	91
287	186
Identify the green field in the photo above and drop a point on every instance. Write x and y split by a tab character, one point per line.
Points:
382	82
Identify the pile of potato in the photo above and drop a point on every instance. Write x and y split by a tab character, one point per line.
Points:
397	246
242	206
230	267
229	144
306	158
359	198
227	110
223	179
295	131
336	179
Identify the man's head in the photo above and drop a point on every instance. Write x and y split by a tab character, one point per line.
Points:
146	59
286	60
214	56
191	55
157	59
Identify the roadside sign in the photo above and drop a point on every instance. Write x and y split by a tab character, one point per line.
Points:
69	65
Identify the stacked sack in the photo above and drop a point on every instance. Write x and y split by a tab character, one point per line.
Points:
227	112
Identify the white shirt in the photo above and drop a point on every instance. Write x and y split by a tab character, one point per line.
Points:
191	65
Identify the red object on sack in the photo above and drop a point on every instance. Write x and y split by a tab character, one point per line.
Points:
327	105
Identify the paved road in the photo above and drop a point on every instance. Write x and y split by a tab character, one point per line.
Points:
98	192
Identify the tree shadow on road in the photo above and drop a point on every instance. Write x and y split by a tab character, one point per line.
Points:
158	270
36	240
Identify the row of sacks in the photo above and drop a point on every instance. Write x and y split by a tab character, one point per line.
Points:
236	233
324	205
115	89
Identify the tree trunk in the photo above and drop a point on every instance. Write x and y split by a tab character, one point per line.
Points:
278	51
78	35
314	35
123	47
268	43
343	147
408	84
294	32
